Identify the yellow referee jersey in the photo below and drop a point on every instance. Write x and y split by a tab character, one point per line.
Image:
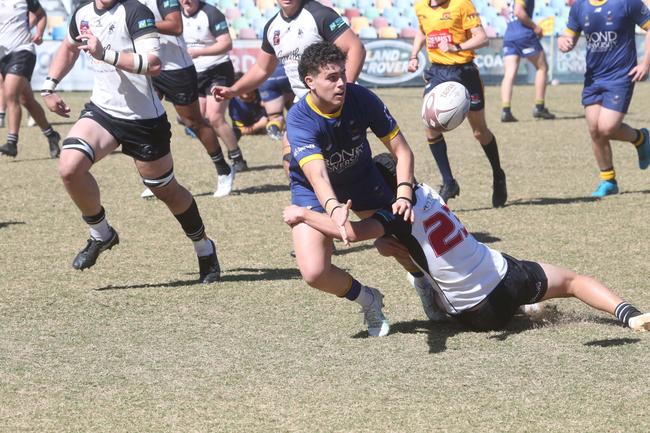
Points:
452	21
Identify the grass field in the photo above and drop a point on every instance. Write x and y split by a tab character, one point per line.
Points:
135	345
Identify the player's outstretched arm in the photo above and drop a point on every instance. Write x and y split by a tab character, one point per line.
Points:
418	42
352	46
400	149
262	69
640	71
38	19
478	40
356	230
63	61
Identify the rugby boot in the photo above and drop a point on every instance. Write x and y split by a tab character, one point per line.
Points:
449	190
53	141
425	291
373	316
640	322
274	131
507	117
605	188
9	149
499	189
88	256
644	150
240	165
543	113
209	269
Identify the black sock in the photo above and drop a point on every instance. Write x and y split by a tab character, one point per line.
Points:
235	155
625	311
48	131
220	163
438	149
492	152
191	222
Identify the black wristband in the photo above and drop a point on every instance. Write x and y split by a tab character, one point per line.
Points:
409	184
287	157
458	47
327	201
53	79
404	198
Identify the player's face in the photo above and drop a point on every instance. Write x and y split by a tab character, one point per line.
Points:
105	4
329	85
289	7
189	6
435	3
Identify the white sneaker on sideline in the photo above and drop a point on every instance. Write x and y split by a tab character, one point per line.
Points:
224	184
428	298
30	121
147	193
640	323
372	315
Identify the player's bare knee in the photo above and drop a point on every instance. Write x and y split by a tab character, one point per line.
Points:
607	131
69	163
481	135
312	275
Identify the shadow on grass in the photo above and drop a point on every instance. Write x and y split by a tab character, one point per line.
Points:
232	275
19	160
265	167
10	223
342	250
259	189
612	342
485	238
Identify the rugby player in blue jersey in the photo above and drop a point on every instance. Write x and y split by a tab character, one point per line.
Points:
612	70
332	163
522	40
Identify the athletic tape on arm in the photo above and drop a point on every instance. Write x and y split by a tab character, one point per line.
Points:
146	45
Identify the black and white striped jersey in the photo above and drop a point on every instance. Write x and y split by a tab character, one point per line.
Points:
201	30
287	38
14	25
173	51
117	92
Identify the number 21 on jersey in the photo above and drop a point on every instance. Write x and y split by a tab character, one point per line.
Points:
443	232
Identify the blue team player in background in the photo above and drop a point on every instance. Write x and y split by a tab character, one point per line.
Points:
276	94
332	163
522	40
247	113
612	70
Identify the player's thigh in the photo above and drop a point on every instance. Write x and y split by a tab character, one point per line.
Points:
215	111
609	120
558	279
592	114
84	132
313	251
14	86
274	106
538	60
510	65
190	113
202	105
477	121
155	169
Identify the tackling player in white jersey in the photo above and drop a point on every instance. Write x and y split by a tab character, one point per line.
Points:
206	33
121	38
299	24
471	282
178	84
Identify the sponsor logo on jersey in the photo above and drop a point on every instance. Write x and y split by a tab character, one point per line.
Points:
170	3
436	36
387	63
298	150
148	22
276	37
601	41
337	24
339	161
84	26
221	26
446	16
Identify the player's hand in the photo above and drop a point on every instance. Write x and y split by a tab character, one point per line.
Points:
390	247
401	206
539	32
194	52
37	39
56	105
413	65
639	72
340	216
445	46
293	215
565	43
91	45
221	93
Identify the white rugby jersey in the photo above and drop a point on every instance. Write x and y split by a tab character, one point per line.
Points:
287	38
173	51
462	270
118	92
14	25
201	30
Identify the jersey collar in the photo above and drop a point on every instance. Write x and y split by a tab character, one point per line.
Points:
597	2
315	109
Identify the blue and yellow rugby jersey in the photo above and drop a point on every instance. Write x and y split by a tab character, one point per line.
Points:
339	138
516	30
608	26
245	113
452	21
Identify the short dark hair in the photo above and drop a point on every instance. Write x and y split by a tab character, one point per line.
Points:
318	55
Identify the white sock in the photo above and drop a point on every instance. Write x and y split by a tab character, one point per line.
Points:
101	231
203	247
366	297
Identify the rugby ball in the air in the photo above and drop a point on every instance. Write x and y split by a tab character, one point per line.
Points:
445	106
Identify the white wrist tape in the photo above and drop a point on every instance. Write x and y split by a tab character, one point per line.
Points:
146	45
49	86
140	64
111	57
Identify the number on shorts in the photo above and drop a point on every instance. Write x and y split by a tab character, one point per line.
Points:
443	233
